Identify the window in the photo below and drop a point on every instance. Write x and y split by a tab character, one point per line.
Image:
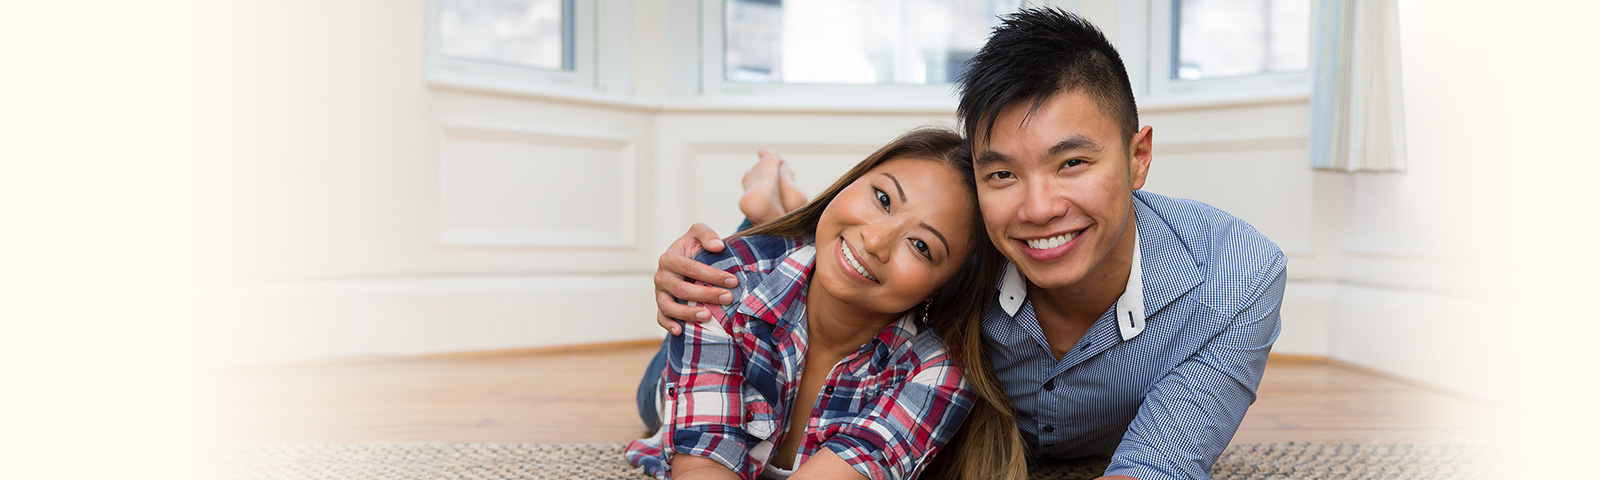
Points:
868	53
529	46
855	41
526	33
1229	48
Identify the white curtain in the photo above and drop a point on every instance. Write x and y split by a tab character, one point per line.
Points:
1357	117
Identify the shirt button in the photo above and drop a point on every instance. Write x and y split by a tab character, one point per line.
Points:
1050	385
828	390
749	417
1048	429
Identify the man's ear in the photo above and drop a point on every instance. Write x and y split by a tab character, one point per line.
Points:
1139	166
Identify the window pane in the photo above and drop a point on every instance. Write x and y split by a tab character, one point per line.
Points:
855	41
529	33
1230	38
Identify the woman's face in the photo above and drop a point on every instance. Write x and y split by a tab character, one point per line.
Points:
893	236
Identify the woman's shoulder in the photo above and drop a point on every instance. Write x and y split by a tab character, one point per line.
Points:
915	344
744	252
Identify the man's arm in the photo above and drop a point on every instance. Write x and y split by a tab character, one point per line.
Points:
1191	414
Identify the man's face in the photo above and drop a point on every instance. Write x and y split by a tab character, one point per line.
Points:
1056	190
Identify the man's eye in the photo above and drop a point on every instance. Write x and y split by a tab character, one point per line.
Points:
1073	163
1000	175
883	198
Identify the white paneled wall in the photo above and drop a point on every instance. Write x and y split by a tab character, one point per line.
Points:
369	213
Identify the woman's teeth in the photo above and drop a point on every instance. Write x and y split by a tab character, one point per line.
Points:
851	259
1052	242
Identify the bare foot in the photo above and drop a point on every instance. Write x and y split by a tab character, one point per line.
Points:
761	201
793	198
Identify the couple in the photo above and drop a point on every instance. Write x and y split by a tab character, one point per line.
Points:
1085	318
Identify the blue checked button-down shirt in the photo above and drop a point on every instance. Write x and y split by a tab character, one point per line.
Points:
1163	378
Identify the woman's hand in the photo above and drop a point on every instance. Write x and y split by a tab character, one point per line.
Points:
676	272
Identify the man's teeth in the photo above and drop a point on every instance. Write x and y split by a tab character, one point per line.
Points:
1052	242
851	259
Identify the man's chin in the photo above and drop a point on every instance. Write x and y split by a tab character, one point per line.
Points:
1049	276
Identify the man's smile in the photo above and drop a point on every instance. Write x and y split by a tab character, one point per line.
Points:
1050	246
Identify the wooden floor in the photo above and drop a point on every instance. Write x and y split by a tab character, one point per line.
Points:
587	396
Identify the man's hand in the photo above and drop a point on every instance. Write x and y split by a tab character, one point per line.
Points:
672	285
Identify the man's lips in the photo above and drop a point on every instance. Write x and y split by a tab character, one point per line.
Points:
1049	247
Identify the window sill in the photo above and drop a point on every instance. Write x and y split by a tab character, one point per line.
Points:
575	94
1180	103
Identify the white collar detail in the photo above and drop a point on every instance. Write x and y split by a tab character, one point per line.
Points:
1129	307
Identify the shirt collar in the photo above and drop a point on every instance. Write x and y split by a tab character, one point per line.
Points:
1130	306
774	298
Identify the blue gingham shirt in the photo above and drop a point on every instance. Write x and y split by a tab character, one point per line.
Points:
1162	378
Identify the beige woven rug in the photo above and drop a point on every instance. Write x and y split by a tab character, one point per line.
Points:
603	461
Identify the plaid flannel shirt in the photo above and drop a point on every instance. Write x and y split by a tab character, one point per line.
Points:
885	409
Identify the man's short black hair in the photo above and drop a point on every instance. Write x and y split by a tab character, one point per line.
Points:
1036	53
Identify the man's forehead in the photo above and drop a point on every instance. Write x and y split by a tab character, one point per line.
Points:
1065	115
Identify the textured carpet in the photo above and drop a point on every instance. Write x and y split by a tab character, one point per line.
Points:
397	461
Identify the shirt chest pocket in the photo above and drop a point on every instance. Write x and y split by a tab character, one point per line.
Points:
760	418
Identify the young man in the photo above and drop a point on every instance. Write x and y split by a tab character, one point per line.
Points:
1126	322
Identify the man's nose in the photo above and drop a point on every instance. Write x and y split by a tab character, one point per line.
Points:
1043	203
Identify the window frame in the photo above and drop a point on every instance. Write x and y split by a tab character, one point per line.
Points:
1155	84
713	90
584	79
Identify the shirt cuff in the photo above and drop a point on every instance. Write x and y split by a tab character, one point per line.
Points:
859	454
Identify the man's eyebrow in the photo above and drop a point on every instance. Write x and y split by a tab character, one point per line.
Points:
897	188
937	234
990	157
1074	143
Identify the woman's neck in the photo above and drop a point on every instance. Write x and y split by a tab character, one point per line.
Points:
836	328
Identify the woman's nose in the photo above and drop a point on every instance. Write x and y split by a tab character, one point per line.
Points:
875	238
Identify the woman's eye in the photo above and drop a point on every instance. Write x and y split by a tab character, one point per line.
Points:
921	246
883	198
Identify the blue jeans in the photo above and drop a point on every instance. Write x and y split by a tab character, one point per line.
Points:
650	384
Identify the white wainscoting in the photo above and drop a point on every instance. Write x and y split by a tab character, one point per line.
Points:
315	320
503	187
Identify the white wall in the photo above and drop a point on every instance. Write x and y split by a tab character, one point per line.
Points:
368	213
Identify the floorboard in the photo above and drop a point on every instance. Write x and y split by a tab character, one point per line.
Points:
587	396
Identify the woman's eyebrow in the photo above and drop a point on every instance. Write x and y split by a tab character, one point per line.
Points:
937	234
897	188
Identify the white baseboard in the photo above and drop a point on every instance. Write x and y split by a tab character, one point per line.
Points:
1306	306
1435	338
322	320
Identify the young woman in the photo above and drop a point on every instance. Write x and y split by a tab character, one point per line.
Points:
830	362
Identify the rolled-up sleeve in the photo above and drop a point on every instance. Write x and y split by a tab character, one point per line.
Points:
903	427
704	394
1190	414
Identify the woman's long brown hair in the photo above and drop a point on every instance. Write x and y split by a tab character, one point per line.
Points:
987	446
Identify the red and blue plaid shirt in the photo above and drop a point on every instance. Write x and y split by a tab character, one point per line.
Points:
885	409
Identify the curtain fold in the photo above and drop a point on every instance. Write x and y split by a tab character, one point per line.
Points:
1357	108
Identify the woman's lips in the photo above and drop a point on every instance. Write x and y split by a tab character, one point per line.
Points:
852	263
